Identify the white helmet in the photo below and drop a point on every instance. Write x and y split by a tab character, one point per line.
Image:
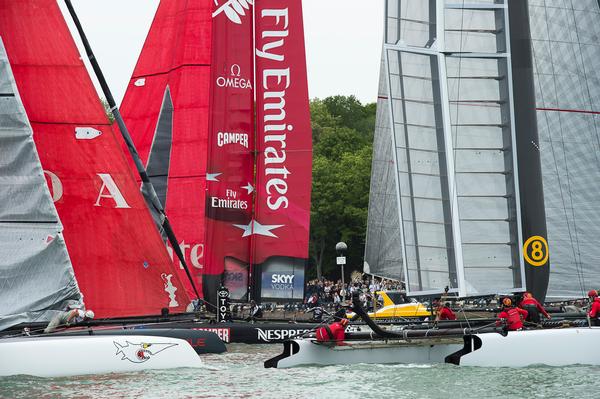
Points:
89	314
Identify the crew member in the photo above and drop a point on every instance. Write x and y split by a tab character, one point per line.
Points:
335	332
68	317
533	308
445	313
511	315
255	311
594	313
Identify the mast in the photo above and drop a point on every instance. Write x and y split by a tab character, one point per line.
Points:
148	188
535	246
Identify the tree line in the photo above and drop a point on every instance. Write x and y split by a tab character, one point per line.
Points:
342	150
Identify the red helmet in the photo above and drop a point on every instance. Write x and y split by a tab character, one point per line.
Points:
592	293
507	302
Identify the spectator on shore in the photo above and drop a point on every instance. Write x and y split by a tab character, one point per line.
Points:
255	311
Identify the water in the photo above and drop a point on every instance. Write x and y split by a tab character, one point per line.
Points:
240	374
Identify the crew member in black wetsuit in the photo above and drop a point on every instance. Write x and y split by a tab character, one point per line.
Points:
533	308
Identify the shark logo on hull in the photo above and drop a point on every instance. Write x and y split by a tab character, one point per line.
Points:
139	353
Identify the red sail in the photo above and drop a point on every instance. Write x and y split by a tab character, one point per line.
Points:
284	139
230	167
166	110
120	263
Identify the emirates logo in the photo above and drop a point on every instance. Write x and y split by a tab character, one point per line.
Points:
233	9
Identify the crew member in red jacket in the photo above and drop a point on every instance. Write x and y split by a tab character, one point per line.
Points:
533	308
512	316
335	332
444	312
594	312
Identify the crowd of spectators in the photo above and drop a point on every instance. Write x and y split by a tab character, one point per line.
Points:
331	294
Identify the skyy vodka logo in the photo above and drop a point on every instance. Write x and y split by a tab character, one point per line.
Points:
233	9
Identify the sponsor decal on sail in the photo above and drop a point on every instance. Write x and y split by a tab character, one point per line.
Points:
192	253
170	289
54	184
230	149
284	160
233	9
234	80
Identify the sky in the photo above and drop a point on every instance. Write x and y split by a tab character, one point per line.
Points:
343	42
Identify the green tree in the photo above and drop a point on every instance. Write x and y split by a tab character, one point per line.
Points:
342	136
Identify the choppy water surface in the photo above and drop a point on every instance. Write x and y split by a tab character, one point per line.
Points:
240	374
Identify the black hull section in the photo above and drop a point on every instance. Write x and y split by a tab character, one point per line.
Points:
533	212
249	333
202	341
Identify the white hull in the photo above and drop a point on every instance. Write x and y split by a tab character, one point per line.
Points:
68	356
555	347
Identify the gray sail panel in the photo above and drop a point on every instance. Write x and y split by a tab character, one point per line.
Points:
566	56
160	152
36	275
383	252
159	161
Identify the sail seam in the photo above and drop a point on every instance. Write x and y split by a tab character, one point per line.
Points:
135	77
69	123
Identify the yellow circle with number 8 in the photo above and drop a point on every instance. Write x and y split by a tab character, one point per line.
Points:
538	246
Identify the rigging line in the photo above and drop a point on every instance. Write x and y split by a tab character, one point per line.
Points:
579	277
587	86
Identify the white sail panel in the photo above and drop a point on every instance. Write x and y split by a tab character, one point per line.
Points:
453	139
383	252
36	276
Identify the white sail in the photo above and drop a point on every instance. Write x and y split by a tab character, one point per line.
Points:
383	254
452	137
36	275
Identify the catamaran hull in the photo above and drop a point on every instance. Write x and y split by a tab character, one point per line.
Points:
202	341
556	347
69	356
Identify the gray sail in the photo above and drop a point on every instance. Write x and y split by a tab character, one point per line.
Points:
383	254
566	50
36	275
159	161
452	136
